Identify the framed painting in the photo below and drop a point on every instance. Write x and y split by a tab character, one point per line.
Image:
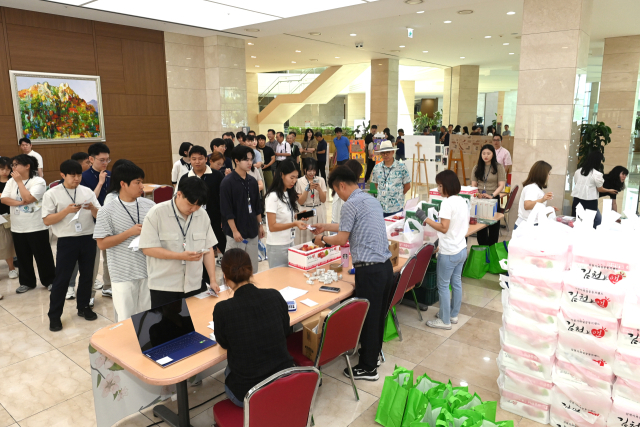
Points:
57	108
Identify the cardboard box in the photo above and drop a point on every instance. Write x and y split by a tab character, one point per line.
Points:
394	248
308	260
311	338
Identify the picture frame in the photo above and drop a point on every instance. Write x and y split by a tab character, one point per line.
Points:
51	108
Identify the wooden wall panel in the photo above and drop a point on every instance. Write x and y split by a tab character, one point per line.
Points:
109	51
50	51
141	74
45	20
6	103
135	105
129	33
8	139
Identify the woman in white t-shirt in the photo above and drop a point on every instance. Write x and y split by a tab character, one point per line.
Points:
23	194
452	230
281	207
533	193
587	183
312	194
183	165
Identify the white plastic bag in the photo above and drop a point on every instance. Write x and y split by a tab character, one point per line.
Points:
592	296
624	413
533	364
627	388
533	337
589	404
523	406
626	364
568	372
531	309
528	386
537	285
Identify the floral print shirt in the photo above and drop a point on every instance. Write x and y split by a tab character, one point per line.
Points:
391	182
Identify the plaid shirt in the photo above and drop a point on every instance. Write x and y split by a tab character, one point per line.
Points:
391	183
362	217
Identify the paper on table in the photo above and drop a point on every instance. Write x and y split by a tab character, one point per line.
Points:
154	185
290	294
309	303
135	243
210	325
164	360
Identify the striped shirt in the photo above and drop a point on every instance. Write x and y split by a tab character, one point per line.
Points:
362	217
124	263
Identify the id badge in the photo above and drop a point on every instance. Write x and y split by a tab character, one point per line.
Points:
293	233
16	211
78	227
250	211
383	193
484	191
314	212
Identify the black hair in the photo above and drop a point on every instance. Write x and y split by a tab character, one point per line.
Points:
374	126
310	163
612	179
456	129
272	131
80	156
434	127
400	130
480	166
194	190
229	134
126	171
593	161
70	167
229	147
185	146
318	134
306	133
241	152
26	160
252	132
277	185
216	142
5	162
27	140
474	127
280	134
336	130
261	137
449	181
97	148
250	138
465	130
198	149
387	132
293	133
342	174
236	265
497	134
114	182
425	128
240	135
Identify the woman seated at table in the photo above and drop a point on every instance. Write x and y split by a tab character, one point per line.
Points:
312	194
533	191
489	176
252	326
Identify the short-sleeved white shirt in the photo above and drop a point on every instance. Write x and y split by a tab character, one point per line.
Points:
37	157
456	210
29	218
58	198
586	187
529	193
180	168
284	214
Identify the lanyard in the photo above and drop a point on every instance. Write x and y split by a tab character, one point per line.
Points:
486	177
138	208
386	176
290	207
73	199
18	189
246	187
313	197
184	232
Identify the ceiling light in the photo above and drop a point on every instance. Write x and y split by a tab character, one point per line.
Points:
188	58
511	53
250	44
313	60
413	1
447	22
465	12
257	66
462	57
511	13
337	57
487	37
293	62
425	51
253	57
315	33
565	47
252	30
420	11
298	51
401	46
379	64
353	35
505	44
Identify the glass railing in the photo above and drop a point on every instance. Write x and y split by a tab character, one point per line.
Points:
292	82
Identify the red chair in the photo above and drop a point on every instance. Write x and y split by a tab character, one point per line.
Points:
53	184
282	400
340	334
162	194
423	257
400	289
507	208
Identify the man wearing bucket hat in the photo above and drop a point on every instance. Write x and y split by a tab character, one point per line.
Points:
392	180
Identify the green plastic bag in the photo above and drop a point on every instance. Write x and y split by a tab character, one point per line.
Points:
433	414
390	330
394	397
498	252
445	391
465	418
417	398
477	263
466	401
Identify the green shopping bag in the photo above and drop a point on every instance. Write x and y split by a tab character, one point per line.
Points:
433	413
466	401
477	263
417	398
394	397
498	252
465	418
445	391
390	330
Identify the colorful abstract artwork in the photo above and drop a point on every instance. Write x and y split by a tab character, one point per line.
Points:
55	108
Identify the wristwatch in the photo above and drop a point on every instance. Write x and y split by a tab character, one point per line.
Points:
326	245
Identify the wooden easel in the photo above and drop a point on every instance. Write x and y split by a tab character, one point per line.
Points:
415	170
456	160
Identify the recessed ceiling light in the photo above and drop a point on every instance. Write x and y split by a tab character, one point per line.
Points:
353	35
293	62
337	57
313	60
253	57
447	22
250	44
188	58
511	53
487	37
298	51
379	64
257	66
315	33
425	51
252	30
505	44
462	57
420	11
413	1
395	50
465	12
401	46
511	13
565	47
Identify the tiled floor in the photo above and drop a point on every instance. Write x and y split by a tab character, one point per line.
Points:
61	395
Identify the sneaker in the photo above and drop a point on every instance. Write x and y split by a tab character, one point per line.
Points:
91	301
55	325
219	262
13	274
453	320
361	374
22	289
107	293
97	285
71	294
438	324
87	313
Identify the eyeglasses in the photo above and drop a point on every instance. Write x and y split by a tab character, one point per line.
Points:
15	165
107	161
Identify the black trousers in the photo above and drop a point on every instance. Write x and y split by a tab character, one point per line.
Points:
490	235
370	165
321	169
80	249
34	245
374	283
159	298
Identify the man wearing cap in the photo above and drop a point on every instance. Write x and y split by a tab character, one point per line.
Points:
392	180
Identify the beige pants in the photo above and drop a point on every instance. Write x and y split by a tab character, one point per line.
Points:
106	279
130	298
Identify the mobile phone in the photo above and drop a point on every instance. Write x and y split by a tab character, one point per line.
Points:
315	180
329	289
303	215
292	305
202	251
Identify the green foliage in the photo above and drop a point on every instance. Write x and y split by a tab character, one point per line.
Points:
362	129
421	121
637	127
593	137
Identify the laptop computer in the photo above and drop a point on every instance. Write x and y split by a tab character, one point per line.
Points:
166	334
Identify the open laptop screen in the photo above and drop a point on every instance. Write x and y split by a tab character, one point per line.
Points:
162	324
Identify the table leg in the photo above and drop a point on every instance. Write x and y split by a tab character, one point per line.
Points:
181	419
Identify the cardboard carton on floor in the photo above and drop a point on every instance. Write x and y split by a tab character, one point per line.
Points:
311	333
394	248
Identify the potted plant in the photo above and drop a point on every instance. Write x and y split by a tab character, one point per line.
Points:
592	137
421	121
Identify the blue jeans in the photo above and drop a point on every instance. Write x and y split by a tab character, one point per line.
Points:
230	395
450	272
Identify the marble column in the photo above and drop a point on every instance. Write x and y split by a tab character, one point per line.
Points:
384	93
553	60
355	107
252	101
405	113
460	101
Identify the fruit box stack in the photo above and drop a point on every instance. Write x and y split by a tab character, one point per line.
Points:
309	256
571	329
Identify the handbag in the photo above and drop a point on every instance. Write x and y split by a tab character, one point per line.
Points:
497	252
394	397
477	263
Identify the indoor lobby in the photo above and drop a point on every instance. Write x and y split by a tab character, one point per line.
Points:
545	75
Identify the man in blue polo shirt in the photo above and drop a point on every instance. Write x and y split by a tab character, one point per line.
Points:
97	178
342	147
